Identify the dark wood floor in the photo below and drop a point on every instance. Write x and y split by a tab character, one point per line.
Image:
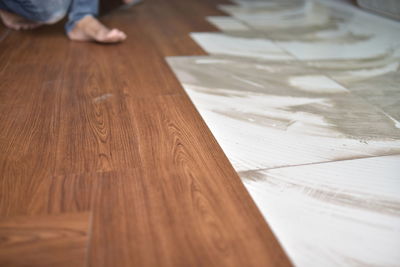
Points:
104	161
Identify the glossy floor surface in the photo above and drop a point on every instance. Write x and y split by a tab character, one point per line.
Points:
304	99
104	161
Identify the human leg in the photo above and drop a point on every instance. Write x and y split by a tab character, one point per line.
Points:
79	9
45	12
16	22
83	26
29	14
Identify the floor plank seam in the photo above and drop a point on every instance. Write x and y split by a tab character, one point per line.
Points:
4	35
317	163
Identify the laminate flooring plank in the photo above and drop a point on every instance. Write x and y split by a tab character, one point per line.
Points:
183	205
102	140
108	129
22	196
57	240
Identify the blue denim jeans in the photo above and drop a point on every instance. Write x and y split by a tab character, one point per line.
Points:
50	11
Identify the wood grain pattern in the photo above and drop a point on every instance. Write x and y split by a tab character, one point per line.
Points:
22	196
109	130
172	209
56	240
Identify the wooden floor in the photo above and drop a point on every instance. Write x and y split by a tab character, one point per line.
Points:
104	161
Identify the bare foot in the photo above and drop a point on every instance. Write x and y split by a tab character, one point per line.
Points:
16	22
90	29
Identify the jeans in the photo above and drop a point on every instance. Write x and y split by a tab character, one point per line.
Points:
51	11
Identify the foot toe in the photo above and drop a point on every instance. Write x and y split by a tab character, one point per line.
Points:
114	36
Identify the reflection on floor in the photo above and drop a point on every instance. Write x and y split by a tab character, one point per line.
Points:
304	98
